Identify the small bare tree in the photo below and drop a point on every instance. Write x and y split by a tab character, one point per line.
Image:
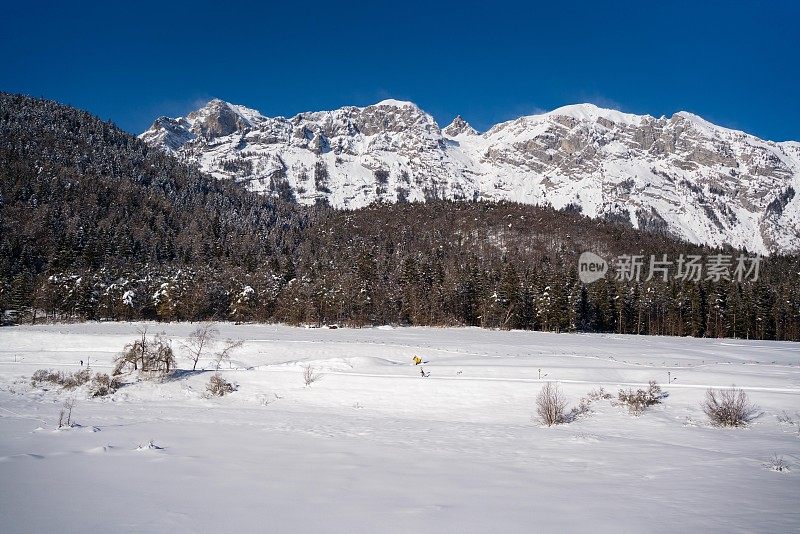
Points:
224	355
310	375
728	407
198	341
65	417
163	357
142	347
550	404
146	355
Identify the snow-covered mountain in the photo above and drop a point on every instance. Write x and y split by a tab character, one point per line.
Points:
680	174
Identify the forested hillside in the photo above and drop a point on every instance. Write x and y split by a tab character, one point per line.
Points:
97	225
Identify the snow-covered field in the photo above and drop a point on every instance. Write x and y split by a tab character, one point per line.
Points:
375	447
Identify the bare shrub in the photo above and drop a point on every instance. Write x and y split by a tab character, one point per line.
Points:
219	387
584	405
198	341
76	379
45	375
777	463
60	378
310	375
598	394
550	405
728	407
99	385
103	385
785	419
638	401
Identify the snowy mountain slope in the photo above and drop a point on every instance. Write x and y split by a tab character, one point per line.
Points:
681	174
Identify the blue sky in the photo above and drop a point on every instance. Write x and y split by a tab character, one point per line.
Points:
734	63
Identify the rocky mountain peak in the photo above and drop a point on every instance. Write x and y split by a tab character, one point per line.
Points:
459	127
218	119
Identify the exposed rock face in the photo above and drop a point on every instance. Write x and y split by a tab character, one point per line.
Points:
459	127
681	174
218	119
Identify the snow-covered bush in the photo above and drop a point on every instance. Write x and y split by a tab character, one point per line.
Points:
551	404
102	385
785	419
598	394
584	406
45	375
60	378
77	379
99	385
310	375
777	463
219	387
728	407
638	401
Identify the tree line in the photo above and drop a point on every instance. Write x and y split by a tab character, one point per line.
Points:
97	226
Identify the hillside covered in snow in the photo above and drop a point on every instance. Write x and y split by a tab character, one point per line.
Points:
681	175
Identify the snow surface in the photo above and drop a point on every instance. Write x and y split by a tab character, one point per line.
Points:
373	447
395	103
591	112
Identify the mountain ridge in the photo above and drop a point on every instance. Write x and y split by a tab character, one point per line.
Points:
681	174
